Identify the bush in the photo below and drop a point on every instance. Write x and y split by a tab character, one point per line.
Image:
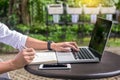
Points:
38	36
38	29
22	28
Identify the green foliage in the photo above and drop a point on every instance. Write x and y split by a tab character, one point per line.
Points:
37	9
116	28
48	1
6	48
56	36
22	28
117	3
114	42
107	3
12	20
91	3
55	28
3	8
70	35
38	28
74	3
38	36
73	28
56	33
88	28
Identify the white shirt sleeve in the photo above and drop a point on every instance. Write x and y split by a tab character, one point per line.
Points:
12	38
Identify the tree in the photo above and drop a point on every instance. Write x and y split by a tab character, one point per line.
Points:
25	11
21	9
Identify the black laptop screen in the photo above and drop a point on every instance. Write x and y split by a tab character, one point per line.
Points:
100	35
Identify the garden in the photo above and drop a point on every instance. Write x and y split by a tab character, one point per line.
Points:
74	19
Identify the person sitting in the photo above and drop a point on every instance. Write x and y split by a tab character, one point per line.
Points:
25	56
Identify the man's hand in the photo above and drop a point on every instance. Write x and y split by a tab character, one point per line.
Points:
23	58
64	46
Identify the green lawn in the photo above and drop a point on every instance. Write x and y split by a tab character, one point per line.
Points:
112	42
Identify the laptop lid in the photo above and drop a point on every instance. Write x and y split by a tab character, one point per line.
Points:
99	36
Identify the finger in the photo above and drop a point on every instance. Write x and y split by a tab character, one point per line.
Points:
69	44
27	60
75	45
64	49
31	57
29	54
29	50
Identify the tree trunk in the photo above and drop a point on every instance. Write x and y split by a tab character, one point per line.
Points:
25	12
21	9
11	3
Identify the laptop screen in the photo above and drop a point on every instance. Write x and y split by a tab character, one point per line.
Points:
100	35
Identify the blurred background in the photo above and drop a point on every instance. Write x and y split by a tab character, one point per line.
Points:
59	20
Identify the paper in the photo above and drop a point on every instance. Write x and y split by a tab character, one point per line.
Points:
44	57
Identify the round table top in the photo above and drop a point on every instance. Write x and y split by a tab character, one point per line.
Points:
109	66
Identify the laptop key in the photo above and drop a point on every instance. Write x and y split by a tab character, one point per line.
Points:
88	54
75	55
82	54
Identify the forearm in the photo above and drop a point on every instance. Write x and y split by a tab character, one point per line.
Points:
36	44
12	38
6	66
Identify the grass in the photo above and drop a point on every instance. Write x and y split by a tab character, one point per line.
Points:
112	42
115	42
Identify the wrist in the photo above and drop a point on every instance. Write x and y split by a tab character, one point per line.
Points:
13	66
50	45
53	44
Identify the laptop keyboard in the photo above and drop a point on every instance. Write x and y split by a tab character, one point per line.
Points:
83	54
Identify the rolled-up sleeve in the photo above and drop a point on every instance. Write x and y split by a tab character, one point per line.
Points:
12	38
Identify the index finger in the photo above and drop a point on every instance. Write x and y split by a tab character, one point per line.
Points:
30	50
74	43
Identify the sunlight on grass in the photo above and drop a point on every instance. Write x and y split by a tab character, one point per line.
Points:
112	42
115	42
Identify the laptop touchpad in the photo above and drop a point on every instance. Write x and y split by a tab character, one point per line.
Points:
64	56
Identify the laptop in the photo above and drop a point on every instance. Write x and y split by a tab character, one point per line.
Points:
95	50
91	53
